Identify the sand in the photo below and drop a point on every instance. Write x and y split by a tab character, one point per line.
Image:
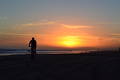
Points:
61	67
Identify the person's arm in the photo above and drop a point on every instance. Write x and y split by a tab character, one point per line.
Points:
30	44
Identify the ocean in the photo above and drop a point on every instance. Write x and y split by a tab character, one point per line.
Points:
4	52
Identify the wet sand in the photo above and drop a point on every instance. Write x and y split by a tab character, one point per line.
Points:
61	67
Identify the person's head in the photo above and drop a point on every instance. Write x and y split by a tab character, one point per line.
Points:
33	38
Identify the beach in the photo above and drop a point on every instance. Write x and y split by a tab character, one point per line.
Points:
61	67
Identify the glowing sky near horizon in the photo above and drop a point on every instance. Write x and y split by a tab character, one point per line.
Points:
60	23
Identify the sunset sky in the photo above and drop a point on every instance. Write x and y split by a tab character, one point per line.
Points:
58	24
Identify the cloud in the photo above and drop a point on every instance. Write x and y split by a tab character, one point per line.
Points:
39	23
116	35
45	23
76	27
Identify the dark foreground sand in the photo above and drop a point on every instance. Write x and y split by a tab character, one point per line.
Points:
61	67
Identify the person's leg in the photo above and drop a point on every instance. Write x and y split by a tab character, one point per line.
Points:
32	53
32	50
35	50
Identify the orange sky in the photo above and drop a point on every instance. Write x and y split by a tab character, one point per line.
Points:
60	23
56	34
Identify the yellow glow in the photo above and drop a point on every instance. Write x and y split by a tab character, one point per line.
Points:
70	41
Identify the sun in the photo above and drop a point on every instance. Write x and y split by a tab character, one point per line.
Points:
70	41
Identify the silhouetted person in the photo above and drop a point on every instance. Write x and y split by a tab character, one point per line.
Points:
33	45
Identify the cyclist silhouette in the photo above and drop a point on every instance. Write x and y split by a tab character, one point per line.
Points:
33	45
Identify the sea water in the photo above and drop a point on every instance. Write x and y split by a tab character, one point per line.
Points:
24	52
